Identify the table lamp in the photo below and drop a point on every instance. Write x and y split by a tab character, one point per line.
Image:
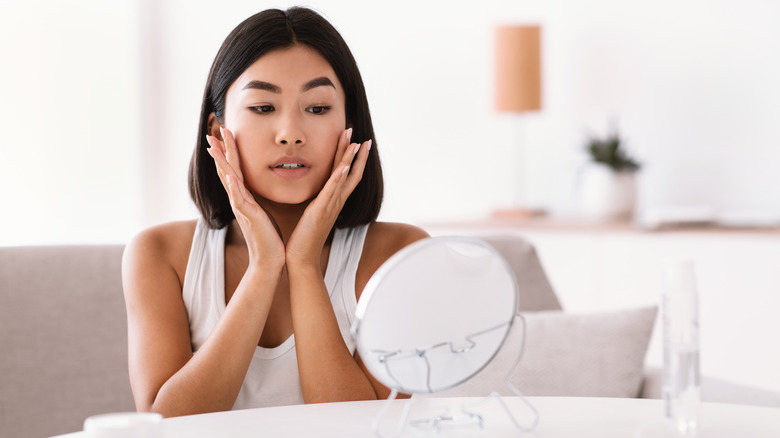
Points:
518	91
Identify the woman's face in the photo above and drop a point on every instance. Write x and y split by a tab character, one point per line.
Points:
287	112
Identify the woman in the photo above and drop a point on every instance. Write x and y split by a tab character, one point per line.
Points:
287	240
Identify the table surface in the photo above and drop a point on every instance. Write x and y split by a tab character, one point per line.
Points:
558	417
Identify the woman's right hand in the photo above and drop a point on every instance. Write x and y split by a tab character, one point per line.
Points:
262	238
166	375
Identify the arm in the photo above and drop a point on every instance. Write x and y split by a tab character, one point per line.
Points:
384	240
165	375
328	371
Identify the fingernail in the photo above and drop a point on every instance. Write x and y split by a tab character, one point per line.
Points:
349	134
346	169
222	133
357	148
370	142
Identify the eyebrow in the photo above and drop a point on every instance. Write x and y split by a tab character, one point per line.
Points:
318	82
267	86
261	85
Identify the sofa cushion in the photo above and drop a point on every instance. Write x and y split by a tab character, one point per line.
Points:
535	290
64	338
595	354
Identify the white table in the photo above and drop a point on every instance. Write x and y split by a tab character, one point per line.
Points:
580	417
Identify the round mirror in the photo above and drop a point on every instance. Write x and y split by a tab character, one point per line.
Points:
435	313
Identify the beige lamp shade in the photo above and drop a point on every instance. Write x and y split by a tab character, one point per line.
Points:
518	68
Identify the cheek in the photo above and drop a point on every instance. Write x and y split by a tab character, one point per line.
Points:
248	136
248	156
328	139
252	161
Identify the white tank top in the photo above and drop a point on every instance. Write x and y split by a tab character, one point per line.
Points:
272	378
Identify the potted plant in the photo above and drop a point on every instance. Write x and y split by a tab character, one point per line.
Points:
607	189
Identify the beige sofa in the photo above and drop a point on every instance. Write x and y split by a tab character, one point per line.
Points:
64	351
64	338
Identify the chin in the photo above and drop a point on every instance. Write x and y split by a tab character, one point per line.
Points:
288	198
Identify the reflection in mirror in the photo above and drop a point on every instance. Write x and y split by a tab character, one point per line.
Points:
434	315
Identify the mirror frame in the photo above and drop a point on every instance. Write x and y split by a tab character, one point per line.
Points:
397	260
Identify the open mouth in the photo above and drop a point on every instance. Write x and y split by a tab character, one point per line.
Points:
289	166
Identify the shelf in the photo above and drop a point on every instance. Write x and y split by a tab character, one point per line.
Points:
522	219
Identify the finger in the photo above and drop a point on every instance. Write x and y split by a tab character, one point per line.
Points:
227	174
215	150
234	195
349	155
220	163
333	185
347	168
344	143
357	168
241	201
224	169
238	194
231	152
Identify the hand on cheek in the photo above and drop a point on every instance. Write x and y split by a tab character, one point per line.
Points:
312	231
261	236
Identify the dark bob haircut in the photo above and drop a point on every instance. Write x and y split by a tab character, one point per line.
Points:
259	34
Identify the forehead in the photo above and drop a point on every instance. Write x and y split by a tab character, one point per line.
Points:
289	69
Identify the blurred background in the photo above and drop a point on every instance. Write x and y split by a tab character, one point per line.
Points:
100	103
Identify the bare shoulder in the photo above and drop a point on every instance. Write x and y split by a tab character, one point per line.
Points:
384	239
165	246
389	237
158	334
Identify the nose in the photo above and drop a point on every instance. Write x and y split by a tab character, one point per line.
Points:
293	140
289	131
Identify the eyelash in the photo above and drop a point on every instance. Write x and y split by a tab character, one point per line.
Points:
323	109
262	109
265	109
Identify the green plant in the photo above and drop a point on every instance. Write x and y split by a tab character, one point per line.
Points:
608	152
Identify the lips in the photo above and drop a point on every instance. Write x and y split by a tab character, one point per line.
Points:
290	167
289	162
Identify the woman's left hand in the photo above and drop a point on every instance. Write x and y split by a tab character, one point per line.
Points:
311	233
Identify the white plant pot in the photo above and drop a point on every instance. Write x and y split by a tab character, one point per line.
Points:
605	194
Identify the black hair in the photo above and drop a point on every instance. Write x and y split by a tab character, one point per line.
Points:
259	34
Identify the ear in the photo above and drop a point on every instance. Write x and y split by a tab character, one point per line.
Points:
214	126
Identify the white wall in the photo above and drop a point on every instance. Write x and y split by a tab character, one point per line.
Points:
101	99
69	121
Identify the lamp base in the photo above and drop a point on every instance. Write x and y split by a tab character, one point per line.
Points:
518	213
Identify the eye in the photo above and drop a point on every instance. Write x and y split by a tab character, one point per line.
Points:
262	108
319	109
